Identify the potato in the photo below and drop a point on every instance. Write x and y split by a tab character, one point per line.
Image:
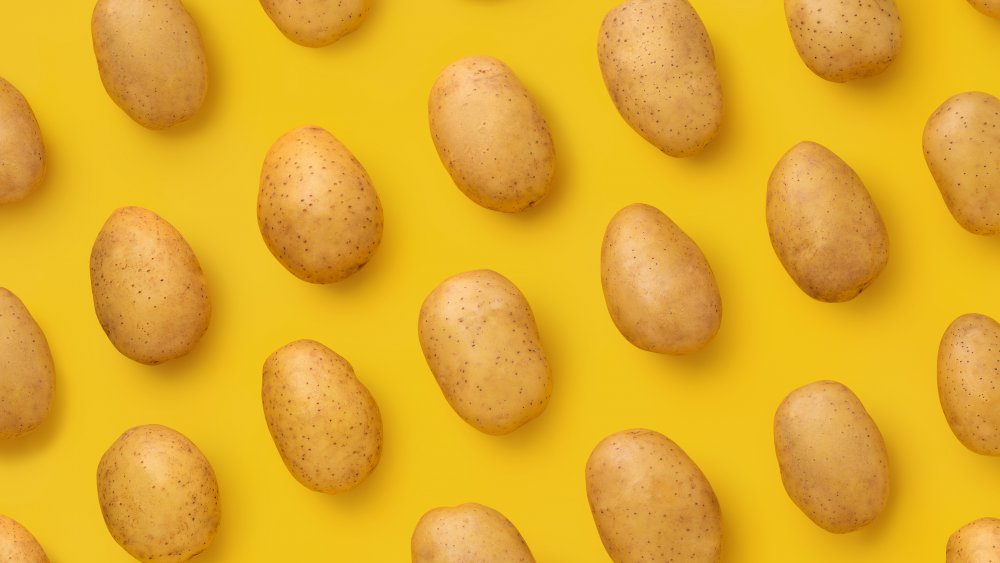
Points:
831	456
658	286
323	420
960	147
490	135
17	545
481	342
317	209
976	542
989	7
650	501
151	59
466	533
316	23
823	224
968	369
842	40
158	495
659	67
27	375
150	295
22	154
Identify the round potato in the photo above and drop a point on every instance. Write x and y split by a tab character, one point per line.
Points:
976	542
22	154
27	374
316	23
17	545
989	7
158	495
323	420
466	533
968	369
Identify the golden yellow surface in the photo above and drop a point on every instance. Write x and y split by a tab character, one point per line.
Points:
370	90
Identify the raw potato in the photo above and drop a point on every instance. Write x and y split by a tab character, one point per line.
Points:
316	23
27	375
659	67
317	209
960	147
323	420
976	542
843	40
150	295
968	369
158	495
651	502
490	135
989	7
22	154
831	456
17	545
151	59
466	533
481	342
823	224
658	286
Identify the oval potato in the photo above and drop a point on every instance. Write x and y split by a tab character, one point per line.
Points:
151	59
989	7
324	422
976	542
968	369
823	224
480	340
17	544
27	374
831	456
658	286
316	23
466	533
960	146
490	135
651	502
150	295
659	67
843	40
158	494
22	153
317	209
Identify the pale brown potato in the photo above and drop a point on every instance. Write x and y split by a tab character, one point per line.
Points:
150	294
651	502
976	542
316	23
317	209
659	67
158	495
324	422
17	545
22	153
658	286
843	40
490	135
27	373
823	224
989	7
960	146
151	59
468	533
831	456
481	342
968	370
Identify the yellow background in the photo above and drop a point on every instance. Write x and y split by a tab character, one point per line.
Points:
370	90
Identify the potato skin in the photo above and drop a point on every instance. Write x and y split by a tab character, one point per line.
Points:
158	494
480	340
659	67
960	141
324	422
989	7
27	374
317	209
151	59
823	224
968	369
490	135
976	542
17	544
650	501
466	533
842	40
150	294
831	456
22	153
658	286
316	23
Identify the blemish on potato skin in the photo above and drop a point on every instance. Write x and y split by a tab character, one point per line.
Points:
976	542
17	544
316	23
968	377
465	533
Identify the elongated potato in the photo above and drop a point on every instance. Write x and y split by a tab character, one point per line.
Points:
22	153
976	542
466	533
17	545
27	374
968	369
316	23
